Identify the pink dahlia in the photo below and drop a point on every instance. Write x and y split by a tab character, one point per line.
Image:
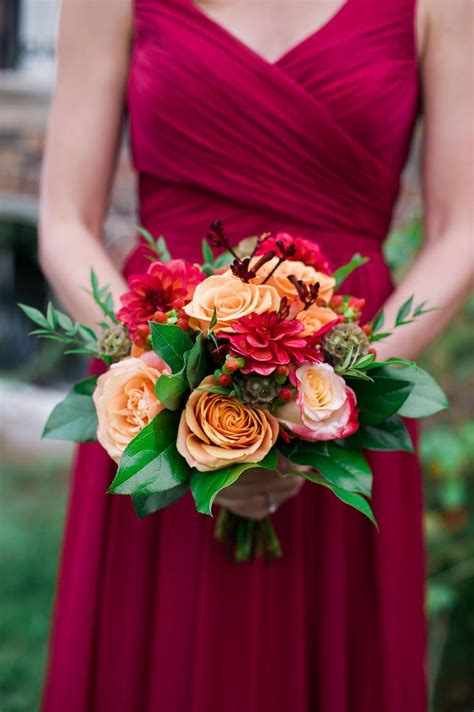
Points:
266	342
307	251
163	287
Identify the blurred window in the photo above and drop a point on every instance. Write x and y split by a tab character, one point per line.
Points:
9	33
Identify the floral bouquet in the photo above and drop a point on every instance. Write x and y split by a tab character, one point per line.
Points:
253	359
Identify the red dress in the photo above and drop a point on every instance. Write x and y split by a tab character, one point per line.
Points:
150	615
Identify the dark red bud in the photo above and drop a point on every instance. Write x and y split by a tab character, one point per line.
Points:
224	380
143	330
286	394
160	317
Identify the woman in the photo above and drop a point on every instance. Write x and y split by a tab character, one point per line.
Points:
270	116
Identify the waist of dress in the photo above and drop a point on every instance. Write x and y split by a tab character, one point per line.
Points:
182	215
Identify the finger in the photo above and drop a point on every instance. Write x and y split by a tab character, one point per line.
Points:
255	508
279	484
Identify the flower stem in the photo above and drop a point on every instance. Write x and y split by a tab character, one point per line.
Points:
245	539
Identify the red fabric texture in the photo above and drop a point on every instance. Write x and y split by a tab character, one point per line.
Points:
150	615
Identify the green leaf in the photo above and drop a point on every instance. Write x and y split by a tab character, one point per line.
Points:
51	316
88	352
103	298
341	274
223	260
391	435
382	398
380	335
146	234
205	486
404	311
207	253
216	389
85	332
197	366
420	309
364	361
75	418
162	249
353	500
213	321
169	389
146	504
64	321
426	397
378	321
390	362
343	467
361	375
170	342
35	315
151	462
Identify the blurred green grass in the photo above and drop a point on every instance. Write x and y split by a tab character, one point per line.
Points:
33	501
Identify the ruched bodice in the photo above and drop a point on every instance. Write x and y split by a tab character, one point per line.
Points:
151	616
315	140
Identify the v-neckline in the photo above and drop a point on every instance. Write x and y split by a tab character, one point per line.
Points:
313	35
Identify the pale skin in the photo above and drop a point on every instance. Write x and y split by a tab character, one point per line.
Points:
84	134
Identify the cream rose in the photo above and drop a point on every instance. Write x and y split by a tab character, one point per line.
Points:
314	318
232	300
324	409
125	400
217	431
307	274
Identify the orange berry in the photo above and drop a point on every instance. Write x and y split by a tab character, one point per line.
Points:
231	365
143	330
140	341
160	317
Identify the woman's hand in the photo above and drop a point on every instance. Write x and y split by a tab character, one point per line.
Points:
258	492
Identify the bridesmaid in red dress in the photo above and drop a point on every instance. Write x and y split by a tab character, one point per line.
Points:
238	111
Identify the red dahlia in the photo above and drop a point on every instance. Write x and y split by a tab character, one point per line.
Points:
266	342
306	251
163	287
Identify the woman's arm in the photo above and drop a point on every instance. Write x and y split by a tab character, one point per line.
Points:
443	273
81	150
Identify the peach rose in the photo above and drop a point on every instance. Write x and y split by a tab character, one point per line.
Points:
217	431
314	318
309	275
125	400
325	408
232	300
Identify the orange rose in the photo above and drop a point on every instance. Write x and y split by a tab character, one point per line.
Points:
314	318
232	300
217	431
125	400
309	275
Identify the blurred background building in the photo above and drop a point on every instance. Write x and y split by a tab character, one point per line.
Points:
33	376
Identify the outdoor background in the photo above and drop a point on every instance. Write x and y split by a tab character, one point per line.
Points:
33	377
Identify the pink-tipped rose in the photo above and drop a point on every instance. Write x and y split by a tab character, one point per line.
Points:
125	400
325	407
